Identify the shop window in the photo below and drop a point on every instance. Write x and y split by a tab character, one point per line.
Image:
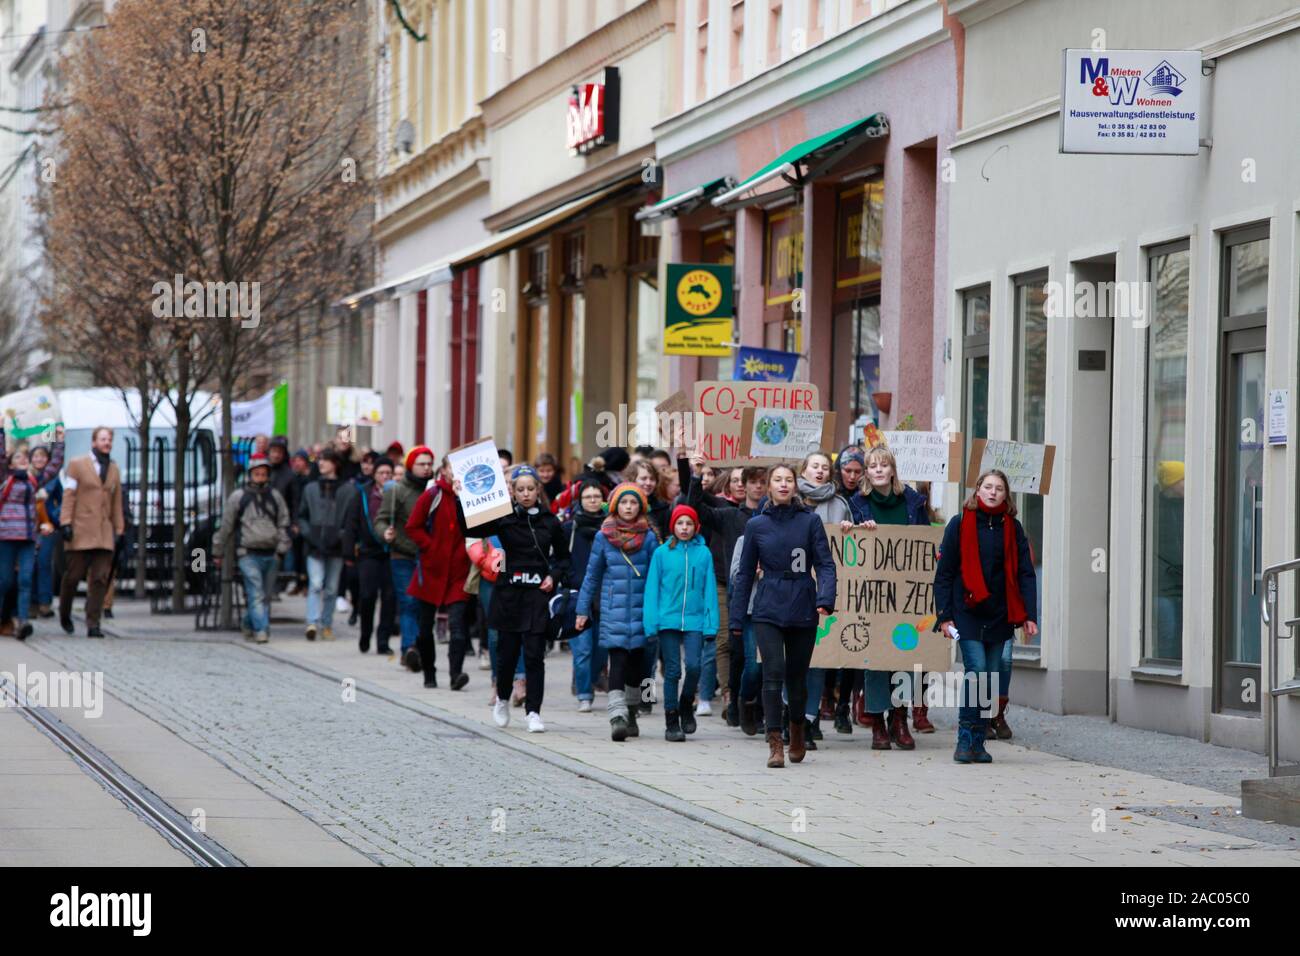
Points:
784	263
975	358
535	356
1165	454
1029	405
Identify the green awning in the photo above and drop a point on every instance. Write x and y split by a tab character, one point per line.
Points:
872	126
670	205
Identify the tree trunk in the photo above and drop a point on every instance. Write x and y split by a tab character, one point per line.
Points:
142	499
227	489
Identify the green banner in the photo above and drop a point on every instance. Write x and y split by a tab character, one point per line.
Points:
698	309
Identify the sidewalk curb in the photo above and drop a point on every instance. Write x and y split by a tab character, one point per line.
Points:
809	856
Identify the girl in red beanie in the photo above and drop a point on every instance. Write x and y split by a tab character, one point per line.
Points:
681	606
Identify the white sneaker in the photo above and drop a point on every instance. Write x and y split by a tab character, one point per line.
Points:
501	712
584	707
484	661
703	709
341	605
535	725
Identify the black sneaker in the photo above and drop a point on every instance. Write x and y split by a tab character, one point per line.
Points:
617	729
66	624
459	681
384	649
108	612
814	731
24	631
431	682
364	644
412	659
353	618
311	632
94	632
687	711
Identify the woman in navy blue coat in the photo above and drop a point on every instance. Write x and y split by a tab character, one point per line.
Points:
786	540
616	577
985	587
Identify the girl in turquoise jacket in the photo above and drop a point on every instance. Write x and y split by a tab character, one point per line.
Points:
681	606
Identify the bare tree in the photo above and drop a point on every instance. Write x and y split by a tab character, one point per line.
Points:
210	170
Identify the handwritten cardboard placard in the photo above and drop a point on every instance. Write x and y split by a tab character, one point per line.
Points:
719	405
1028	467
30	414
884	601
770	435
484	495
672	421
926	456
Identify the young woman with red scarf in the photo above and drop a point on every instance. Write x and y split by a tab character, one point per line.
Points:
985	587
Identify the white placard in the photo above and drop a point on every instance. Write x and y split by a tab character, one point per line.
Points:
921	456
1020	462
483	494
1131	101
29	414
353	406
1278	424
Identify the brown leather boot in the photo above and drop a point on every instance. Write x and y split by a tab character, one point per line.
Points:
879	733
898	729
999	724
798	730
921	720
775	751
860	715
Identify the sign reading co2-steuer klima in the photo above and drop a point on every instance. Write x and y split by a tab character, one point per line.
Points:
483	493
1131	101
884	601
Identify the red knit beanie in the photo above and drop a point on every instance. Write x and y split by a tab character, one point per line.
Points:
686	511
415	453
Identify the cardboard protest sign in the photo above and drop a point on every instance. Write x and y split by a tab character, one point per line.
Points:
484	495
718	408
1028	467
926	456
672	421
769	435
29	414
353	406
884	601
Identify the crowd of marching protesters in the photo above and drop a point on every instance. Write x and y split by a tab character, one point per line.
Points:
711	580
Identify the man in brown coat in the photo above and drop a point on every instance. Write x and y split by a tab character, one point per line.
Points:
91	521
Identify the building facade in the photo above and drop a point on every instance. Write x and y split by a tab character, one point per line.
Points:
1167	501
813	132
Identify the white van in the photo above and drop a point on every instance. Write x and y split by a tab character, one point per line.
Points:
85	409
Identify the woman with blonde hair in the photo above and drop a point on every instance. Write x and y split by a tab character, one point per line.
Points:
985	587
888	501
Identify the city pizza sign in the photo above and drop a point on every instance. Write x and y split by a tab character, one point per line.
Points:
592	117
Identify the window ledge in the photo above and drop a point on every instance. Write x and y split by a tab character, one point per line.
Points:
1031	657
1157	674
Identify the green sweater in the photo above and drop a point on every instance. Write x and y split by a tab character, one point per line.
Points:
889	509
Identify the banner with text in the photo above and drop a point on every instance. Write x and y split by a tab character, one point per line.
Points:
718	408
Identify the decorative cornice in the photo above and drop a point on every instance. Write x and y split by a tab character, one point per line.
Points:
971	12
637	28
606	174
471	180
434	158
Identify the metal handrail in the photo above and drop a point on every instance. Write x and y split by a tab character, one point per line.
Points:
1268	611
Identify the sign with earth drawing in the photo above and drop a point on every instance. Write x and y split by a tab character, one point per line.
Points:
483	492
698	309
884	601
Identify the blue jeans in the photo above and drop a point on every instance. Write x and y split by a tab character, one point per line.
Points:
709	667
1169	627
322	588
22	554
408	608
258	571
1004	670
816	684
44	582
751	676
588	660
983	663
671	645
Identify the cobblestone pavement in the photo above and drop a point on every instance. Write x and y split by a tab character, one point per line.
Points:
402	788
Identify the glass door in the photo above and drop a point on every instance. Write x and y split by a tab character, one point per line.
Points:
1241	524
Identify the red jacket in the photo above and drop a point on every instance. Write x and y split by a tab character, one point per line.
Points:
444	562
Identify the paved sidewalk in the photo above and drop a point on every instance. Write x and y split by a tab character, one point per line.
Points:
866	807
846	801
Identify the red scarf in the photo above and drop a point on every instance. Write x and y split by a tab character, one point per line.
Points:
623	535
972	573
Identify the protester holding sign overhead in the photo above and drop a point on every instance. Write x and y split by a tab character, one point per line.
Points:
888	501
985	587
786	540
